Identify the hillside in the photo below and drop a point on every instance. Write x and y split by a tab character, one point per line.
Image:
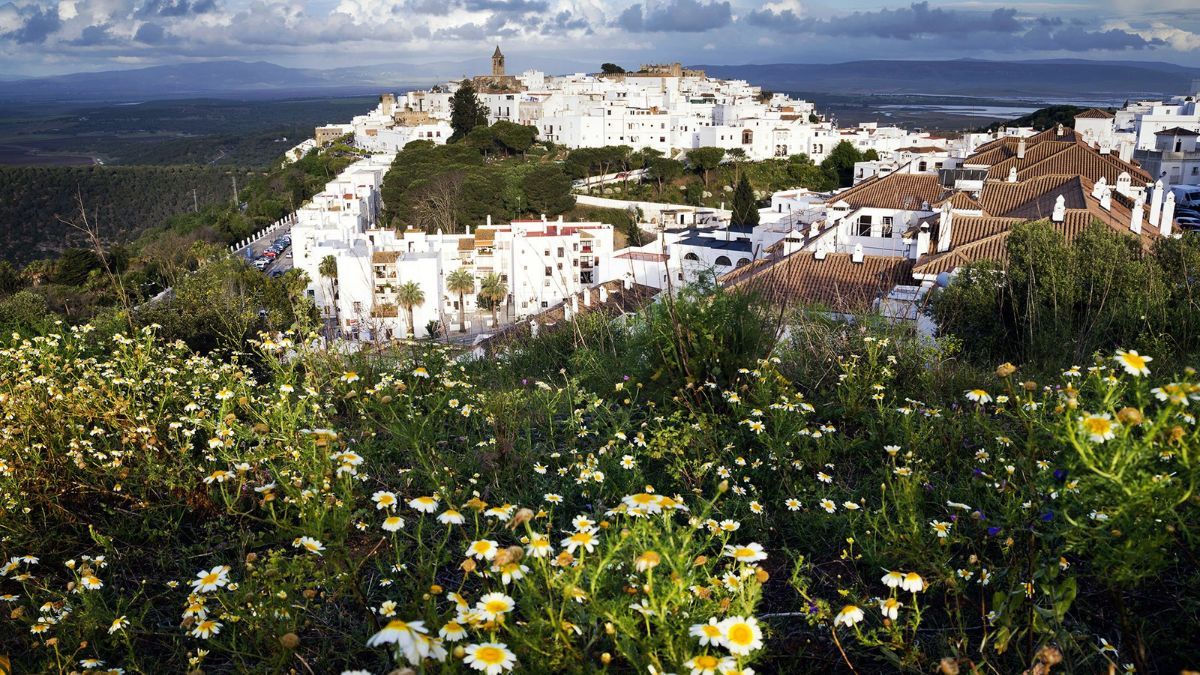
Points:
122	201
1042	119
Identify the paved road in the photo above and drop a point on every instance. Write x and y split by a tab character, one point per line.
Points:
282	261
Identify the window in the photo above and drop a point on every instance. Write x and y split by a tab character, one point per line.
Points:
723	261
357	307
561	251
864	226
922	166
549	271
887	226
691	256
747	137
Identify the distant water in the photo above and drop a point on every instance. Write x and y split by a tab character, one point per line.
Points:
989	111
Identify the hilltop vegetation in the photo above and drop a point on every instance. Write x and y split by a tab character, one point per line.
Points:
1042	119
125	201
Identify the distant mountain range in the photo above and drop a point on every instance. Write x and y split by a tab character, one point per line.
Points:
1043	81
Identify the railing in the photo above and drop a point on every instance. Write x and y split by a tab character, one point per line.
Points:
253	239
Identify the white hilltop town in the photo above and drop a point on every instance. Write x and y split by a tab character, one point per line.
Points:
926	207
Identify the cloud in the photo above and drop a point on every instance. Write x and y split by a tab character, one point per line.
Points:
92	36
150	33
171	8
906	23
676	16
506	6
1174	37
30	24
1001	29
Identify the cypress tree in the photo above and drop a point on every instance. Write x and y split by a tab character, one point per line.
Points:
745	208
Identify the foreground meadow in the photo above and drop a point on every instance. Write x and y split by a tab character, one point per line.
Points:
644	501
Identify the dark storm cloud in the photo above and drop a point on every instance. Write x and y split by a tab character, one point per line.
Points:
1076	39
93	36
36	25
565	21
150	34
677	16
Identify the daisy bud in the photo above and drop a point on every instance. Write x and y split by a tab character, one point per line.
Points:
1030	385
761	575
1129	416
468	565
700	560
435	589
606	658
387	398
289	640
522	516
723	487
460	652
609	628
309	593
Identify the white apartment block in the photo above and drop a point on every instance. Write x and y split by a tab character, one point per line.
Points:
541	262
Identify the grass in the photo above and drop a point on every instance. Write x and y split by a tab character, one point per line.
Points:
633	498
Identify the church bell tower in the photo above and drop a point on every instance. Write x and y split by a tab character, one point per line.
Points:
497	63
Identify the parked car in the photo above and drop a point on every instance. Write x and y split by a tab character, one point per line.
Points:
1188	223
270	254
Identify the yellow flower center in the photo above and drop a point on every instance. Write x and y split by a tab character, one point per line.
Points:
711	630
740	634
209	578
1134	360
706	661
489	655
497	606
1097	425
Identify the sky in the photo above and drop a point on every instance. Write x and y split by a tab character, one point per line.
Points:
45	37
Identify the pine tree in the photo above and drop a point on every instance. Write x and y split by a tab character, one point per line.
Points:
745	208
466	112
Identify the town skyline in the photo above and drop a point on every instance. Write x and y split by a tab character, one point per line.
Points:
46	38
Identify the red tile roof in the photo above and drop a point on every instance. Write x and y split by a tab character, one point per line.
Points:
835	282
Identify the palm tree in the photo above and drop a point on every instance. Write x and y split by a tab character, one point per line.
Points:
461	281
410	295
495	290
328	271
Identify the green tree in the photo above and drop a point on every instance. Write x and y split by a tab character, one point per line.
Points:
410	295
705	160
663	170
745	206
494	290
839	164
547	190
10	279
611	69
466	111
75	265
461	281
327	268
514	138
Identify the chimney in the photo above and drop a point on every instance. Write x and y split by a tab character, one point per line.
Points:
922	245
587	297
1021	148
1060	130
1124	183
543	217
533	328
820	253
1012	174
469	230
489	220
603	295
574	304
1139	212
1125	151
1060	210
1106	199
858	254
628	283
560	219
945	223
1099	186
1156	202
1168	215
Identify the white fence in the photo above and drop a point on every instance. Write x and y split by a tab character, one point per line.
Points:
655	214
241	246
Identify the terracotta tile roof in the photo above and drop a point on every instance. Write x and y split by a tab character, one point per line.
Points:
961	200
836	282
1095	114
484	236
1030	199
1176	131
1053	156
1082	160
466	243
895	191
